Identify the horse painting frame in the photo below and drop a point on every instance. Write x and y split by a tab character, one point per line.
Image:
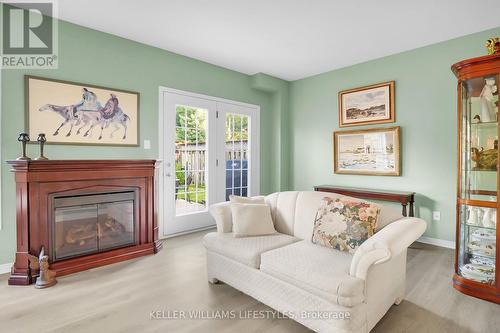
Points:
73	113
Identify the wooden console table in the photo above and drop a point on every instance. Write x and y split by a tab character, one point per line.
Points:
405	198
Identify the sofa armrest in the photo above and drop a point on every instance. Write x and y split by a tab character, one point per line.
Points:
221	212
385	244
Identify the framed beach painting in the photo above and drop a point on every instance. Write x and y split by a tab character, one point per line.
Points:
367	105
367	152
81	114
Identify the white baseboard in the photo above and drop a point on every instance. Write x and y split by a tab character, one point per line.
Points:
5	268
437	242
188	232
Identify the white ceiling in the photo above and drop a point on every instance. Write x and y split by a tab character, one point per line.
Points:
289	39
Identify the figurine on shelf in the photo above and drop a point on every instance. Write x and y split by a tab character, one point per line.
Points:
473	216
41	141
478	118
46	278
487	220
24	139
486	160
493	45
486	98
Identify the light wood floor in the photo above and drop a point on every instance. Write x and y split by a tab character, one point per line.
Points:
120	298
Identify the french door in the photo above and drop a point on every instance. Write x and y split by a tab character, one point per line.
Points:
209	151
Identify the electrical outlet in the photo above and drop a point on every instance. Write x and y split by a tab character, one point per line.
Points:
147	144
436	216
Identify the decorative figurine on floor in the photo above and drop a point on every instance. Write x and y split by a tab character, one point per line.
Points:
46	278
488	107
24	138
493	45
41	141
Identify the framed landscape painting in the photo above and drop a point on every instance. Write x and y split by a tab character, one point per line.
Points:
367	105
81	114
367	152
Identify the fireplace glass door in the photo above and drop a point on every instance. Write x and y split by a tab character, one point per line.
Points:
89	224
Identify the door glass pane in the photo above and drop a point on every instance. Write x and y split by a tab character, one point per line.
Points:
237	153
190	159
479	132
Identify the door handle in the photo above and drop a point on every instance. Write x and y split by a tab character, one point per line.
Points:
168	174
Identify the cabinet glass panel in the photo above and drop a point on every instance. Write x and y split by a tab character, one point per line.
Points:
479	138
477	244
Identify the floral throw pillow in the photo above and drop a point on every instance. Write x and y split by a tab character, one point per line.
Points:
344	223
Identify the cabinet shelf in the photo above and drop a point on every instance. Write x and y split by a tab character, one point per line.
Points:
486	124
478	226
481	255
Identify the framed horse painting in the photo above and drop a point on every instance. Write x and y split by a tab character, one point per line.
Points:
81	114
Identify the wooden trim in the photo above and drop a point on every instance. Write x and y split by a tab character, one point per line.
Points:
476	289
459	165
469	65
27	111
405	198
482	192
392	110
477	203
397	145
101	259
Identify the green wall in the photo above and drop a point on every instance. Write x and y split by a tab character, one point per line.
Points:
425	110
98	58
297	118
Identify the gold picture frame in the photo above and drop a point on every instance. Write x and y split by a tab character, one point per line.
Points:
72	113
373	104
360	152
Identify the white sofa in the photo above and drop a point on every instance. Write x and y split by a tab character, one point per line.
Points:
324	289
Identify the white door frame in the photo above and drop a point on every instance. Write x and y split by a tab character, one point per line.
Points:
254	188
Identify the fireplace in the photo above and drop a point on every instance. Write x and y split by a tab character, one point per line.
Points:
87	224
84	213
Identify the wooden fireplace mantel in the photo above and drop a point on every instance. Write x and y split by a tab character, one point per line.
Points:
38	181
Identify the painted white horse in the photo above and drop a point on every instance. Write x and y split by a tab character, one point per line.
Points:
90	112
85	112
72	117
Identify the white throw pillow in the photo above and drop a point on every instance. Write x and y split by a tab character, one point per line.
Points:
252	220
247	200
387	216
221	212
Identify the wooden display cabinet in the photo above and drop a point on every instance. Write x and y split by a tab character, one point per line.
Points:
476	262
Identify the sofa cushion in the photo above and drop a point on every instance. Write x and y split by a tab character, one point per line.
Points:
221	212
344	223
388	215
246	250
294	212
247	200
251	220
321	271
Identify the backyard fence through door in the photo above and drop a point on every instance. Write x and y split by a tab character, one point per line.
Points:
210	150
